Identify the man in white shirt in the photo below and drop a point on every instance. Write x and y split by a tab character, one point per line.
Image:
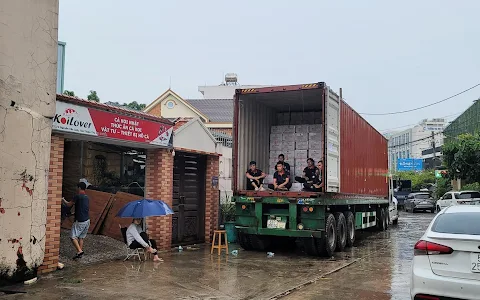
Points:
137	238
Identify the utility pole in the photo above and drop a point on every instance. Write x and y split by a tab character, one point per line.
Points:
434	150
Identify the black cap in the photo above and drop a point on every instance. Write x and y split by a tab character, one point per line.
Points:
82	186
253	163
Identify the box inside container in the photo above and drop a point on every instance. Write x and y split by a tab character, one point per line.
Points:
259	112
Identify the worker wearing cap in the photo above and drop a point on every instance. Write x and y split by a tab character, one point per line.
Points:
255	177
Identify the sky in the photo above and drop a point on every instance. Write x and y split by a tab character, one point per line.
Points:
385	55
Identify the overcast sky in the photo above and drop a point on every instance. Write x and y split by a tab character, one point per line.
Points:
386	55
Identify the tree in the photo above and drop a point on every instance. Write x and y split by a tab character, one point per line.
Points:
93	96
135	105
461	156
420	180
69	93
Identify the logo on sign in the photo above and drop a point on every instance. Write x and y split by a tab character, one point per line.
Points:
70	117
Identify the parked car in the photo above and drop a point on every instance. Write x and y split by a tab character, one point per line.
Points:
446	262
393	211
419	201
456	198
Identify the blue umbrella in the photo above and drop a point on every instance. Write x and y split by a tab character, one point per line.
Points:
144	208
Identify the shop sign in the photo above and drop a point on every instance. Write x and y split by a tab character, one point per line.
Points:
82	120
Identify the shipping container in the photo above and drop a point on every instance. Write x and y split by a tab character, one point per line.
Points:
307	121
355	154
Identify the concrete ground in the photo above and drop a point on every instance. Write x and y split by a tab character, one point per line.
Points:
377	268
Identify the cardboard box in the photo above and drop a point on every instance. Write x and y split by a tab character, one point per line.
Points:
268	180
301	137
275	145
308	117
296	187
301	155
288	137
273	154
289	156
315	136
289	129
314	145
301	128
301	145
315	154
276	137
296	116
315	128
278	129
288	146
299	170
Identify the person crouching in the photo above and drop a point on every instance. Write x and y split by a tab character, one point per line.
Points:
137	238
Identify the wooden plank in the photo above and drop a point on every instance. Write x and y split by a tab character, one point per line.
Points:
101	221
111	223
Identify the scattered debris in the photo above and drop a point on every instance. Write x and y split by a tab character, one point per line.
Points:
31	281
270	254
235	252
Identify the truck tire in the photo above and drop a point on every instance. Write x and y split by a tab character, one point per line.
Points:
380	219
341	224
310	246
326	246
244	241
350	219
387	218
259	243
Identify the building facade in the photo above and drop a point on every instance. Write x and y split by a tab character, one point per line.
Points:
467	122
411	142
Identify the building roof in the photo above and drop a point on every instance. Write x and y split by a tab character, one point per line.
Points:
217	110
112	108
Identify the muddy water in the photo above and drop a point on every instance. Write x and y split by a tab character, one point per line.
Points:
377	268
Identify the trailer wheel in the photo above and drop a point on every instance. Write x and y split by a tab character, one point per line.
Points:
341	231
326	245
350	219
387	218
310	246
259	243
244	241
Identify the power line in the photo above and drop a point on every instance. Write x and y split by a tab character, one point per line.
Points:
413	124
421	107
412	142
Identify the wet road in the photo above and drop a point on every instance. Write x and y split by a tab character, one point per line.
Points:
377	268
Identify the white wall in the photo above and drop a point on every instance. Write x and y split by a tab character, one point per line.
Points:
194	136
28	68
225	180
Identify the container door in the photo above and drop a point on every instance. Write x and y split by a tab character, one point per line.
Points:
332	141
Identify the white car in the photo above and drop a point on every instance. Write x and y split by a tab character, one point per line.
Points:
446	263
393	211
456	198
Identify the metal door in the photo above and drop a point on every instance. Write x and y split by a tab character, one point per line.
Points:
188	198
332	141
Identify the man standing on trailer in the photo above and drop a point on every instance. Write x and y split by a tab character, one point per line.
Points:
286	166
281	179
255	177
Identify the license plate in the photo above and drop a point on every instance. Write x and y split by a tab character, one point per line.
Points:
475	262
275	224
424	202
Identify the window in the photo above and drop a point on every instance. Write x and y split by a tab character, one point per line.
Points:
170	104
469	195
408	153
408	137
447	196
458	223
422	196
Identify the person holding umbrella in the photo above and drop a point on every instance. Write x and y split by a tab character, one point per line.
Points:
137	238
139	209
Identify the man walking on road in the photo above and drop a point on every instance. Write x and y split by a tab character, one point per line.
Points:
82	218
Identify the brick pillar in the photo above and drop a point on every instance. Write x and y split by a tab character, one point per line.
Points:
159	186
54	202
211	198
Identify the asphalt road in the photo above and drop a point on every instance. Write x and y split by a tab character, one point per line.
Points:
378	267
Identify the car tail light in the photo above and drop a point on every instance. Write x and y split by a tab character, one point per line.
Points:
429	248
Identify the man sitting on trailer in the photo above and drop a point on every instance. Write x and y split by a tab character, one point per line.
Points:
317	184
286	166
281	179
255	177
310	175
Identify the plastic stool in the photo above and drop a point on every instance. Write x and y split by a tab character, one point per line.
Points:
219	233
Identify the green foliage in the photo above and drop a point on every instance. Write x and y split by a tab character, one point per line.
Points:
93	96
228	211
462	157
420	180
135	105
471	187
443	186
69	93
